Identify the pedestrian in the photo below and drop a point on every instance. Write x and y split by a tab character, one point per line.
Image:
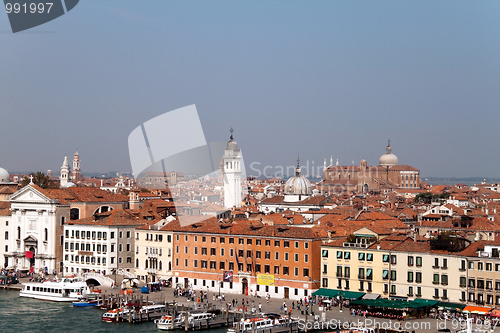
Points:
260	307
293	304
233	302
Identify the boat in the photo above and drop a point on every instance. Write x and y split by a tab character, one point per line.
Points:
260	325
89	300
65	290
165	323
115	314
153	311
197	318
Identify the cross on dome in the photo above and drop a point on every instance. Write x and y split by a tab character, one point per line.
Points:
31	179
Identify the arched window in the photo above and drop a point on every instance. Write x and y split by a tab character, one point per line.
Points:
46	234
136	263
169	265
63	219
160	266
18	232
6	236
146	264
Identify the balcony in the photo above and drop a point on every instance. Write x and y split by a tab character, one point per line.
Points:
339	274
152	255
151	271
361	276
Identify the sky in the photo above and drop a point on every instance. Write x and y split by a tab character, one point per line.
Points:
315	78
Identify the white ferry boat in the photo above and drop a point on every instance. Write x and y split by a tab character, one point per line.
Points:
196	318
165	323
247	324
64	290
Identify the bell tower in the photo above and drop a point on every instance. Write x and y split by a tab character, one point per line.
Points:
232	174
64	178
76	175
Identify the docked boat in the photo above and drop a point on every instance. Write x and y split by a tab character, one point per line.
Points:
197	318
116	314
88	301
247	324
165	323
153	311
64	290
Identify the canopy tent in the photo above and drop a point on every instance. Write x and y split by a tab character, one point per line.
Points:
476	309
422	303
326	292
451	306
395	304
351	295
371	296
332	293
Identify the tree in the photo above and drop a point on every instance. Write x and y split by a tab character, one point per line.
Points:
39	179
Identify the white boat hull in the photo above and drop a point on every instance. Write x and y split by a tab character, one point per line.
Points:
53	298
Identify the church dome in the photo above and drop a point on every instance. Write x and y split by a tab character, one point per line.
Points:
298	184
4	176
388	158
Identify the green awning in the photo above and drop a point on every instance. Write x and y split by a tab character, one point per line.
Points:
326	292
451	306
394	304
331	293
422	303
351	295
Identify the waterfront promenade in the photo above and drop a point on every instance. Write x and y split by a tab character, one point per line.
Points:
334	317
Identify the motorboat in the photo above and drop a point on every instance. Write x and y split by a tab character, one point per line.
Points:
64	290
116	314
258	324
165	323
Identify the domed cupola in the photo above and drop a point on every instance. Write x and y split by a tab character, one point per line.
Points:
388	159
297	187
4	176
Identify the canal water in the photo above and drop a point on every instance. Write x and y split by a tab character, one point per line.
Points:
20	314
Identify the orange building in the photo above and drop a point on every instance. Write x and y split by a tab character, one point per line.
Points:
247	257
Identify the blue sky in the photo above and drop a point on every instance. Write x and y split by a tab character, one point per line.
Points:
315	78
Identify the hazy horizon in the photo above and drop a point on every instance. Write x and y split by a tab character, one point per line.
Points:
318	79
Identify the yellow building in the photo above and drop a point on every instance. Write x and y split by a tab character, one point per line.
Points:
154	251
395	267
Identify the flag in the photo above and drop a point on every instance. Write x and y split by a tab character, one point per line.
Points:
237	261
28	254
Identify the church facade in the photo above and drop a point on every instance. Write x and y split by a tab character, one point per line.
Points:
362	178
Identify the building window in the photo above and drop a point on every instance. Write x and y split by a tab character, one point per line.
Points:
324	253
418	261
410	260
286	270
